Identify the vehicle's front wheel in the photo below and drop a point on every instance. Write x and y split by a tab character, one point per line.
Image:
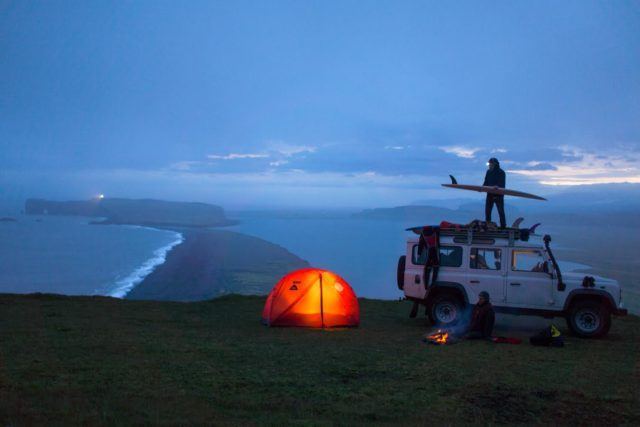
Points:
589	319
445	310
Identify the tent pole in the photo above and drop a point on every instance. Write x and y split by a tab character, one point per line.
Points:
321	303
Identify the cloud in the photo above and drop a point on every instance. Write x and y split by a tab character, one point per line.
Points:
185	165
532	166
277	163
539	166
262	158
289	150
460	151
234	156
580	167
339	156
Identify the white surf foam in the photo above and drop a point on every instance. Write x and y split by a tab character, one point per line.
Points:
123	286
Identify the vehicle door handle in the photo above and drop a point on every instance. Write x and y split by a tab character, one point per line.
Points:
514	284
474	281
417	278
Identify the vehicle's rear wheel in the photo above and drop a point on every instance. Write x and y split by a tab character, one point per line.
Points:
589	319
445	310
402	261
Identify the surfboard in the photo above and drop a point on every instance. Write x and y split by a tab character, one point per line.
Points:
491	190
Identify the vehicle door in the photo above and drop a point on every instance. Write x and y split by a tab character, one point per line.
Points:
486	273
450	270
413	284
529	282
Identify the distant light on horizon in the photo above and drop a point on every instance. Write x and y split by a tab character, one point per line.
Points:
100	196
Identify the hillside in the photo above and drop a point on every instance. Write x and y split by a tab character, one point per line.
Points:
135	211
84	360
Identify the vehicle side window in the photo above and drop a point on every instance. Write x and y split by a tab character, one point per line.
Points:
528	260
485	259
450	256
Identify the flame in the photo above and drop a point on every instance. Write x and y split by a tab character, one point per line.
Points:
443	338
439	337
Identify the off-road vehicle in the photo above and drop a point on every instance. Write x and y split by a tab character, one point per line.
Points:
520	273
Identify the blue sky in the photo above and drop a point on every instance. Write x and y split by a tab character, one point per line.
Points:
314	103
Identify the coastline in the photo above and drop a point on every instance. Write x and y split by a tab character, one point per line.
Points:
125	285
164	225
209	263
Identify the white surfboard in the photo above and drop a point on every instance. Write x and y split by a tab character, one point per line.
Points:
492	190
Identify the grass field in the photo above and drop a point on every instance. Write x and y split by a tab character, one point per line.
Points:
82	360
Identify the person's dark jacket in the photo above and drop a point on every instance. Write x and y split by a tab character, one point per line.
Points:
482	319
495	177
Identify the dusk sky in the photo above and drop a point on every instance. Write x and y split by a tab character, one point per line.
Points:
314	103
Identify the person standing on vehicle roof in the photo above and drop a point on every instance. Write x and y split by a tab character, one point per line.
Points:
495	177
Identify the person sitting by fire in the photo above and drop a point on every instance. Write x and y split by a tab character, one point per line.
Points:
482	318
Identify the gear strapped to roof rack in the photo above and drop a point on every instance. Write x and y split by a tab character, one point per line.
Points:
466	234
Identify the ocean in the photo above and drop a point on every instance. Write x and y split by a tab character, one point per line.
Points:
67	255
365	251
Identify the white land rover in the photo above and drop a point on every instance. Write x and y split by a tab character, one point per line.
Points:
521	276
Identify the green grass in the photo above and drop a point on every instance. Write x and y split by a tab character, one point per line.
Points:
81	360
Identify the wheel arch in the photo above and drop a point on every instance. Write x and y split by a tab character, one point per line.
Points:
448	287
589	295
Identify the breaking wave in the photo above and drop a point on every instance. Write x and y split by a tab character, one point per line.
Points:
123	286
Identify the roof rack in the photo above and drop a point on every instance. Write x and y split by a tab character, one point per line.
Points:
479	236
469	235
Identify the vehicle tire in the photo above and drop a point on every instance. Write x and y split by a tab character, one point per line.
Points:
445	309
402	261
589	319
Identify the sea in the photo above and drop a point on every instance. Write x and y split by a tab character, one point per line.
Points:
363	251
68	255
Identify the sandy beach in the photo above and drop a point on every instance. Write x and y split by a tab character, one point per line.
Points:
211	263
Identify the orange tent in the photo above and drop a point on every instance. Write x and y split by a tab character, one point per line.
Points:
313	298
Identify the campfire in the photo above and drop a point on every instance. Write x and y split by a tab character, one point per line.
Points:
439	337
